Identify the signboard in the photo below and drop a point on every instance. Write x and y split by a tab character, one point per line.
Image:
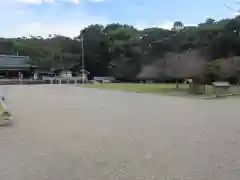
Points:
221	84
20	76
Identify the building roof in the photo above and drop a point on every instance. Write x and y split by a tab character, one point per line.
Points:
104	78
14	62
85	71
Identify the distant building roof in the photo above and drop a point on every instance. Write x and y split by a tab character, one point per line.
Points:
104	78
14	62
85	71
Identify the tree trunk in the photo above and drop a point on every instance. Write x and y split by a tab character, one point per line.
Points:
177	85
196	87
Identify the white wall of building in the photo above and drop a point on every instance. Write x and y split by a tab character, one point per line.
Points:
65	74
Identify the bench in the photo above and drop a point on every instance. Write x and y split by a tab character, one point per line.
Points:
221	86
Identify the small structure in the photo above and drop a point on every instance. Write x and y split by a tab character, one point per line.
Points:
221	86
35	76
83	73
104	79
42	73
13	66
65	74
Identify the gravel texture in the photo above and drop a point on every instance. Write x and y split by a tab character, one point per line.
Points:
64	132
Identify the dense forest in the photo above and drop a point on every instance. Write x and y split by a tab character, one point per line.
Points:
126	52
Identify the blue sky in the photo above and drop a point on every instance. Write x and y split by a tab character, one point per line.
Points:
67	17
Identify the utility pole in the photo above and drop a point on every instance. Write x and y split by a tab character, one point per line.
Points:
237	11
82	57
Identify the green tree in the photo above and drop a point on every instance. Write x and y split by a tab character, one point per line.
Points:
177	26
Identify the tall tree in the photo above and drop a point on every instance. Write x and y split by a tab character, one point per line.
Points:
177	26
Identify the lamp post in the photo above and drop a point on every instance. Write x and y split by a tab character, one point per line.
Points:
83	63
81	39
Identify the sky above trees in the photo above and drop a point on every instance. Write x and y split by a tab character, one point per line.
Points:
67	17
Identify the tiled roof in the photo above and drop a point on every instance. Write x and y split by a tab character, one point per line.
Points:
13	61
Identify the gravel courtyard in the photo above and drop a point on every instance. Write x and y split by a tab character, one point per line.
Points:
64	132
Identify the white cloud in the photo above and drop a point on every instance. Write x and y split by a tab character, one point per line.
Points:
52	1
164	25
69	29
97	1
235	14
19	19
45	1
23	18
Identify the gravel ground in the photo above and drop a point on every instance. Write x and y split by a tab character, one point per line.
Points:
64	132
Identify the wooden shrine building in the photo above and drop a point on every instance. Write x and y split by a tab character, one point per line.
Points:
11	66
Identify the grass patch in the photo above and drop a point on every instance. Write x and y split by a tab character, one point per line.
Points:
169	89
141	88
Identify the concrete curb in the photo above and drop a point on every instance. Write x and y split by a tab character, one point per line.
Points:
7	120
222	96
166	94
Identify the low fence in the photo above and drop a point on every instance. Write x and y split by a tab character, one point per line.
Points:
43	81
66	80
17	81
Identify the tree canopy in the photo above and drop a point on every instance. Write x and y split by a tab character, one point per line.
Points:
123	51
